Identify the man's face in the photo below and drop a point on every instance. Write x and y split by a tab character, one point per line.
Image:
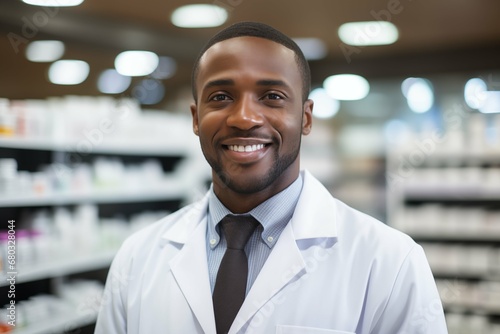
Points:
249	115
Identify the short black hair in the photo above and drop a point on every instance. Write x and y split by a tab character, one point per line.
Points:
256	29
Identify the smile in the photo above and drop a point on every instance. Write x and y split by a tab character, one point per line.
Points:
246	148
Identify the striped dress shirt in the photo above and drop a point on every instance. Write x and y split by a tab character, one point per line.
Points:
273	215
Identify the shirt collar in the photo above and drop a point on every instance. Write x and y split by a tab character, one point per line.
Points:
273	214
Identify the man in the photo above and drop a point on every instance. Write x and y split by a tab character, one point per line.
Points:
311	264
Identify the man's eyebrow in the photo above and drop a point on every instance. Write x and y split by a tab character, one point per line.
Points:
219	82
272	82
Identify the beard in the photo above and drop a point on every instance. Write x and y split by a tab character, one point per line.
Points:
253	185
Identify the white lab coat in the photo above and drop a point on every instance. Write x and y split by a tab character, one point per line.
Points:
333	270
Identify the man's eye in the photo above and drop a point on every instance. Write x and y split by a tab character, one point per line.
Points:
273	96
220	97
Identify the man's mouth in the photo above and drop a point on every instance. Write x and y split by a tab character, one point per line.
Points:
246	148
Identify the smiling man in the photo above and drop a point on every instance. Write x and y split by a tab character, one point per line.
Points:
268	250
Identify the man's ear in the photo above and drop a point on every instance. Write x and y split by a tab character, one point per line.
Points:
307	117
194	114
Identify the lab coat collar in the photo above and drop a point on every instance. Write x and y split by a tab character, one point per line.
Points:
310	208
321	224
182	227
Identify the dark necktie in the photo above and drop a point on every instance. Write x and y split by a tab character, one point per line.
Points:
231	282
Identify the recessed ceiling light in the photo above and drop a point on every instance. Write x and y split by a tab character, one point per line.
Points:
475	93
136	63
419	94
54	3
166	68
313	48
491	103
199	16
368	33
149	91
68	72
44	51
112	82
346	87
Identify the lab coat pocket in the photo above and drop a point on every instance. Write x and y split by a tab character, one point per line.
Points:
284	329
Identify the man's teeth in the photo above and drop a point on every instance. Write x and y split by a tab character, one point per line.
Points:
247	148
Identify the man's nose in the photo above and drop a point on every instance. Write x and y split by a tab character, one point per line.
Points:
246	114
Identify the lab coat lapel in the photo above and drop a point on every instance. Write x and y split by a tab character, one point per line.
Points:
313	222
190	269
284	265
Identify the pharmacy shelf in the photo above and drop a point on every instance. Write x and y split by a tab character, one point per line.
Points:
63	267
168	192
492	310
465	274
449	157
470	194
466	236
59	324
166	149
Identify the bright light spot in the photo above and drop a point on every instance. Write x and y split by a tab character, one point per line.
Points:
313	48
54	3
199	16
166	68
44	51
149	91
136	63
475	93
346	87
419	94
68	72
112	82
324	105
368	33
407	83
491	103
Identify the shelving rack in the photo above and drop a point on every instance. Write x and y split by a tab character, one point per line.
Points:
449	202
184	179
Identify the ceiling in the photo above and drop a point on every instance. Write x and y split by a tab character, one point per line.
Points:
436	36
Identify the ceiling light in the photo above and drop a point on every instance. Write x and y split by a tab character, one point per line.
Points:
44	51
68	72
136	63
475	93
368	33
112	82
313	48
149	91
166	68
54	3
324	105
346	87
491	103
419	94
199	16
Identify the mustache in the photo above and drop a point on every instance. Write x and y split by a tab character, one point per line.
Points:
252	133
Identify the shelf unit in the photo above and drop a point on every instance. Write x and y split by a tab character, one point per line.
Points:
62	267
60	324
184	178
171	191
449	201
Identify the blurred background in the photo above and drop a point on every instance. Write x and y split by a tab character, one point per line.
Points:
96	139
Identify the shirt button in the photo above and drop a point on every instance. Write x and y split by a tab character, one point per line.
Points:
270	239
212	241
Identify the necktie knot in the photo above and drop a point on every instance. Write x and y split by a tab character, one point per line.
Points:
237	230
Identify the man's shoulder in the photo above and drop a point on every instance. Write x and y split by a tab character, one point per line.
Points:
150	235
358	227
